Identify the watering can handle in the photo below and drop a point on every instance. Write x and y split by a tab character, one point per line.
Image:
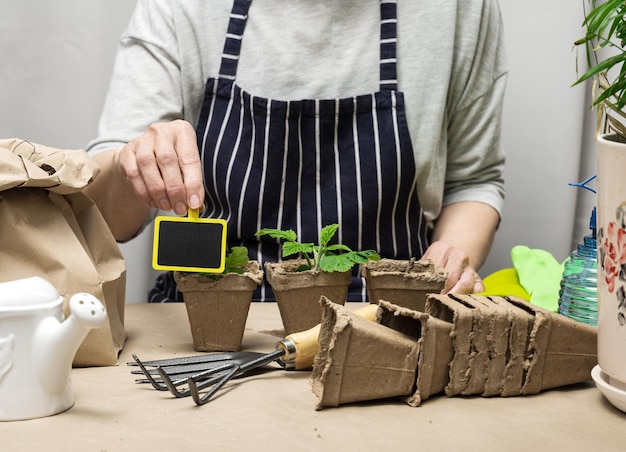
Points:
300	348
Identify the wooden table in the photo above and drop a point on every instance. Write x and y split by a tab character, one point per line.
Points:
276	409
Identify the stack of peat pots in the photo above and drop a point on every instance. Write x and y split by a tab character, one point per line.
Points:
460	345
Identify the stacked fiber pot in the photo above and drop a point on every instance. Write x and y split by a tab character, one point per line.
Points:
459	345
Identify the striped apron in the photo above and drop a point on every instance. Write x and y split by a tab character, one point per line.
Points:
305	164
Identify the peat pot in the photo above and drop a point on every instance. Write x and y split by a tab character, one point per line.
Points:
218	308
404	283
298	293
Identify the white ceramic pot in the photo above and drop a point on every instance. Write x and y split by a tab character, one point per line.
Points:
611	224
37	347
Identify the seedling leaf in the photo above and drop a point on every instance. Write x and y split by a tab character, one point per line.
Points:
327	233
336	263
236	260
338	247
329	258
289	235
291	248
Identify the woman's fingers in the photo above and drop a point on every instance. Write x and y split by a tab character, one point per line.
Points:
163	167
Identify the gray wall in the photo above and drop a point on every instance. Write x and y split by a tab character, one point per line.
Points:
56	64
57	58
543	131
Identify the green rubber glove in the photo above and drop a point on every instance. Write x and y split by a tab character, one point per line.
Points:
540	274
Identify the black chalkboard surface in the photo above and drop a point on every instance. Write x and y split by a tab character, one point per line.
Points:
189	244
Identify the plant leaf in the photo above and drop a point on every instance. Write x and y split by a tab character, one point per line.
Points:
336	263
345	261
289	235
605	31
234	262
327	233
291	248
361	257
338	247
236	259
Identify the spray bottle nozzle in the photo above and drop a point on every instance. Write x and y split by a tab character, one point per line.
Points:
592	222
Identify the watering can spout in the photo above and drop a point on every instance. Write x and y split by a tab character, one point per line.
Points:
55	343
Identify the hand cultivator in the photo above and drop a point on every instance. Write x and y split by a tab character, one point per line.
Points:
192	375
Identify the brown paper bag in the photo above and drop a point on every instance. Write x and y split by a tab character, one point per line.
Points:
48	228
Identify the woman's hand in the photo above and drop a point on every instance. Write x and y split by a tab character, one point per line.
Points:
160	169
163	167
462	237
462	278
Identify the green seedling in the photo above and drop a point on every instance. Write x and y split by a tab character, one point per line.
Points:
325	256
235	262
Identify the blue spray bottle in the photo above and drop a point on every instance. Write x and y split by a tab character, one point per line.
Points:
578	296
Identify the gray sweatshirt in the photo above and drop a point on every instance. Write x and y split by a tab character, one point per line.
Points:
451	68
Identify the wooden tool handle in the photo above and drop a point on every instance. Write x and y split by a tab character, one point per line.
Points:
301	348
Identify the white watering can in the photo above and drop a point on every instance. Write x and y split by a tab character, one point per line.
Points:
37	346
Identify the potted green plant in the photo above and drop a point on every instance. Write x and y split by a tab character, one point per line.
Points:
604	41
321	269
218	303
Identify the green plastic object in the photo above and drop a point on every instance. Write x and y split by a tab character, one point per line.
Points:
539	274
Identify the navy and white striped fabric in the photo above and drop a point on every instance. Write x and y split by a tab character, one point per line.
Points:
304	164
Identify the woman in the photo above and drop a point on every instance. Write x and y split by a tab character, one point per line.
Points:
383	118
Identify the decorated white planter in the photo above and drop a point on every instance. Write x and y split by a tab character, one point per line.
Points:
611	223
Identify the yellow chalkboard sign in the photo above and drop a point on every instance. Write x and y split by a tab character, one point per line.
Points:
189	244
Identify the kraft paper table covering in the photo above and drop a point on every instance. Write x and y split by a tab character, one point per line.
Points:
276	410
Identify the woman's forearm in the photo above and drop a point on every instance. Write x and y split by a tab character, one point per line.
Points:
110	191
468	226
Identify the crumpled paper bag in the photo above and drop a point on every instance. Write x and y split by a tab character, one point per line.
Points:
48	228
